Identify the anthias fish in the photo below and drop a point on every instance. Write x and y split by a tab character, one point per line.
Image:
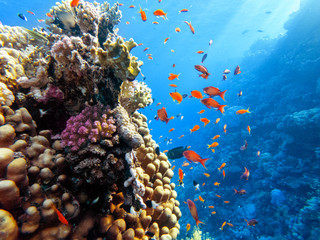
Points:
194	213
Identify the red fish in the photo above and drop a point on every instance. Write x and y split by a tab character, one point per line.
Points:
237	70
203	70
61	218
32	13
209	103
213	91
181	177
74	3
244	147
143	15
194	212
49	15
245	175
190	26
252	222
192	156
240	192
163	116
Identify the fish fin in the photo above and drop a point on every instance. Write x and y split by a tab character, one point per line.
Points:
198	222
248	110
203	161
222	95
221	108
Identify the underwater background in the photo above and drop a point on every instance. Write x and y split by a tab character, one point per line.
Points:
277	46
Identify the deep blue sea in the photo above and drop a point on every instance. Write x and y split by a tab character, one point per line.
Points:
276	43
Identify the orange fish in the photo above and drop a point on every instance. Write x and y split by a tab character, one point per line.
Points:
145	49
49	15
203	184
211	103
120	4
176	96
188	147
150	57
173	167
215	137
184	202
249	129
158	103
207	174
213	150
194	212
218	196
202	111
200	52
191	168
205	121
165	41
185	164
165	151
216	184
192	156
214	212
159	13
223	224
237	70
132	6
181	177
195	128
149	54
212	91
41	20
173	76
140	44
155	23
61	218
173	65
243	111
172	85
74	3
172	50
127	23
230	224
188	227
177	29
246	174
190	26
258	154
211	207
171	129
217	121
212	145
163	116
196	94
32	13
181	136
240	192
143	15
222	166
226	202
225	128
205	74
201	199
183	10
224	174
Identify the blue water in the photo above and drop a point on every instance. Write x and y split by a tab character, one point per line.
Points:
277	45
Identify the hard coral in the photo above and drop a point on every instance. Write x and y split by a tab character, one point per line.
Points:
93	124
6	96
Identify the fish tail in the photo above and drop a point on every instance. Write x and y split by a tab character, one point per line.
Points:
248	111
198	222
222	95
203	161
221	108
235	191
208	146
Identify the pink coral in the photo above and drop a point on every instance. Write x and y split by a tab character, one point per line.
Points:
93	124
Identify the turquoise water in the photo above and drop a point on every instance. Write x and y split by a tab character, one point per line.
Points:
276	44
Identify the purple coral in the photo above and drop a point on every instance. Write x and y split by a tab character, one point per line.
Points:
92	124
62	49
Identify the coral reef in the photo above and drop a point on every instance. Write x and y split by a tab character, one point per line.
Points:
71	142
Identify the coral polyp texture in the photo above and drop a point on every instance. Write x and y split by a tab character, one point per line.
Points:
77	160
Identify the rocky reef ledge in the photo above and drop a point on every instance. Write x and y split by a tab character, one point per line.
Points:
77	160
